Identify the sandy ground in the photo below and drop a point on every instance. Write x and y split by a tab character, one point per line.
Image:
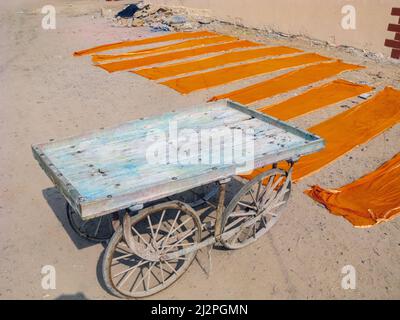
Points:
46	93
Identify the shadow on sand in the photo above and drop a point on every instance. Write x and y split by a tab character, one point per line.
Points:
57	203
76	296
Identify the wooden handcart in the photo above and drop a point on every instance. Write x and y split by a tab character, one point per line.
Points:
114	193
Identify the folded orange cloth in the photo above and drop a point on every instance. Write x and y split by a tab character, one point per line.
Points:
286	82
175	69
222	76
347	130
176	55
370	200
314	99
139	42
167	48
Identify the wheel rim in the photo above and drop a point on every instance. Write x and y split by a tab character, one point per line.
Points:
97	229
158	231
256	208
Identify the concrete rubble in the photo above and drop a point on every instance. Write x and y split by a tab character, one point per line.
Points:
160	18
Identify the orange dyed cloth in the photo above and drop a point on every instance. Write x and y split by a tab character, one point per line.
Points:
170	56
287	82
370	200
347	130
139	42
175	69
171	47
222	76
314	99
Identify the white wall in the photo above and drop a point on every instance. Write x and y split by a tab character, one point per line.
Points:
319	19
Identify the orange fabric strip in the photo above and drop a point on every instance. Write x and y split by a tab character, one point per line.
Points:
222	76
314	99
175	69
171	47
347	130
370	200
170	56
138	42
286	82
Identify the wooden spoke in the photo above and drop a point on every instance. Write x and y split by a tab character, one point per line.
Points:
173	269
243	204
82	226
141	237
131	268
254	199
181	225
178	242
123	256
125	247
127	274
151	227
267	187
182	244
243	214
98	226
170	230
159	224
258	191
162	273
271	191
270	195
233	223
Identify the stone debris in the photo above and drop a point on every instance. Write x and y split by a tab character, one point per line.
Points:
107	13
176	19
158	26
159	18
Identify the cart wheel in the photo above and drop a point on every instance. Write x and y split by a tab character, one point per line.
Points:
156	231
96	230
255	208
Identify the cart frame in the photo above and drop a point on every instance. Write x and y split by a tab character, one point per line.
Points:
231	225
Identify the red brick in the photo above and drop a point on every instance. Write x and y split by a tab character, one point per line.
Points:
394	27
396	12
395	54
392	43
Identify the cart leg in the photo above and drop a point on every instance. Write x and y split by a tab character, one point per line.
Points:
220	208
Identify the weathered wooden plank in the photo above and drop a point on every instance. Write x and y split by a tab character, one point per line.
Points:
120	179
107	170
144	125
118	165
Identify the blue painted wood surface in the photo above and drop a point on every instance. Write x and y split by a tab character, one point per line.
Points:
107	170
